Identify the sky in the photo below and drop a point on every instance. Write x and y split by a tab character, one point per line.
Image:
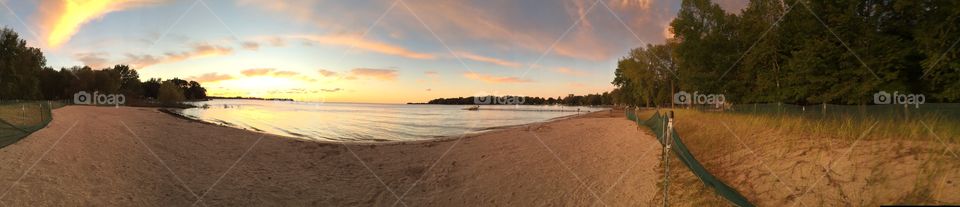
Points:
372	51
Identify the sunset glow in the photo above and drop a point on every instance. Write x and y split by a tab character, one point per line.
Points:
351	51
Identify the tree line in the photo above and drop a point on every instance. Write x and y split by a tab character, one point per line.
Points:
24	75
599	99
842	52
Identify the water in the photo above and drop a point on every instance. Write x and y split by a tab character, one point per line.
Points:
356	122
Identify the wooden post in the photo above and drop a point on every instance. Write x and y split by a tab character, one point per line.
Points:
667	140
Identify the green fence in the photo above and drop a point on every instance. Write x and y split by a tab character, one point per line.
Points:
657	123
18	119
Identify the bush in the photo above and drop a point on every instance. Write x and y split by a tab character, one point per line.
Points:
170	94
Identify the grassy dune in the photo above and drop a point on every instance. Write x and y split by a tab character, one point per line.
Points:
806	159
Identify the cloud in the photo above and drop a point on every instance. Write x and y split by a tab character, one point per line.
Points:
379	74
475	57
250	45
326	73
506	25
285	74
364	44
210	77
569	71
331	90
257	72
495	79
198	51
515	26
61	19
254	72
93	59
277	42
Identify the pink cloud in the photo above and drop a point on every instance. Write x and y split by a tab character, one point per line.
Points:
250	45
365	44
475	57
210	77
569	71
93	59
257	72
494	79
326	73
198	51
379	74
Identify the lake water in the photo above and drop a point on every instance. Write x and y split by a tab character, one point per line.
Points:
358	122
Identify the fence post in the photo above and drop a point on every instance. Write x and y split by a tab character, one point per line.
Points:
666	158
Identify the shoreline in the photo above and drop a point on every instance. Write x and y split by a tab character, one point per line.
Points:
474	133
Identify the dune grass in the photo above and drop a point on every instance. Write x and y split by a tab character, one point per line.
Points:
776	156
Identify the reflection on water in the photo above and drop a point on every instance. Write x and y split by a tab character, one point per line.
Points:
368	122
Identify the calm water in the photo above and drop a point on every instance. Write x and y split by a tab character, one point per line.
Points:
368	122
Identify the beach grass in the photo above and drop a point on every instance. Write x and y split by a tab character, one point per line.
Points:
775	158
21	114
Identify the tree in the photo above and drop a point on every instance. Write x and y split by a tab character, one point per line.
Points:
130	84
52	84
170	94
196	92
151	88
20	67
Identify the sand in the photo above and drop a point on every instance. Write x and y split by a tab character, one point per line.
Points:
105	156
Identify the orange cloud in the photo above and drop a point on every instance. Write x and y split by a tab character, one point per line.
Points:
285	74
198	51
569	71
326	73
494	79
210	77
93	59
365	44
276	73
379	74
251	45
475	57
257	72
61	19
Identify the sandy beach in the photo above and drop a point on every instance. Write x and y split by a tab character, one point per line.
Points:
105	156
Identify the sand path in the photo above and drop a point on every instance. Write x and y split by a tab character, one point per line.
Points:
104	156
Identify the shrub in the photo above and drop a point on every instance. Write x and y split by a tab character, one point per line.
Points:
170	94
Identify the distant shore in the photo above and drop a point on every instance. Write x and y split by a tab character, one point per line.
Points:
250	98
109	156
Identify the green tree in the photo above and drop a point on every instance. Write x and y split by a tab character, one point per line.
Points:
170	94
20	67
